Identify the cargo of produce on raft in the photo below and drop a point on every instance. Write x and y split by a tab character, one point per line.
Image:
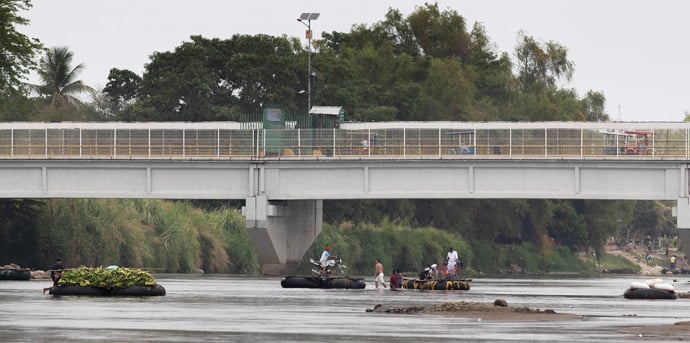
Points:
107	281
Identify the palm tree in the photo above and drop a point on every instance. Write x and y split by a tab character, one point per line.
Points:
59	78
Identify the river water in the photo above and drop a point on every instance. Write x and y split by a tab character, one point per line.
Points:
223	308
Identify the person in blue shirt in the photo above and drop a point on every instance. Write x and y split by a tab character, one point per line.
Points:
324	259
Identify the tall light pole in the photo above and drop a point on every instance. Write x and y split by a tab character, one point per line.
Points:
308	17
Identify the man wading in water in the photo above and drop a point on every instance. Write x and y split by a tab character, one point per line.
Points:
378	274
55	274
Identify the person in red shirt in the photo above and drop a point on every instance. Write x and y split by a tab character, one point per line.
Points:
396	280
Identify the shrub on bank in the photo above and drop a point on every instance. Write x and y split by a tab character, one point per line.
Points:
410	249
617	264
401	247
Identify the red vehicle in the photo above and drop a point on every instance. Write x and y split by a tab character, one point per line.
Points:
638	143
628	142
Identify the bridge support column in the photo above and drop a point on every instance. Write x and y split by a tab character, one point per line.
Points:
682	212
282	231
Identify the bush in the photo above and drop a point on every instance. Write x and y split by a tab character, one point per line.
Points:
614	263
398	247
489	260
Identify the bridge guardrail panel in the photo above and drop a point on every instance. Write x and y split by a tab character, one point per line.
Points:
390	142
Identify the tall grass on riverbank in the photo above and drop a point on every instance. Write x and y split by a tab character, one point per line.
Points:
176	237
410	249
170	236
397	246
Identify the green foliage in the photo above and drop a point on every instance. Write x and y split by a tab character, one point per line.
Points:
562	259
541	65
227	226
499	221
495	258
615	262
177	241
604	219
119	94
396	246
488	259
93	232
575	224
213	79
594	106
439	34
651	219
59	79
448	92
423	66
15	106
171	236
567	227
18	50
494	79
19	230
411	249
106	278
176	237
360	211
524	255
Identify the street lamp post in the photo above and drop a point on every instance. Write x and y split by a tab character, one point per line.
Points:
308	17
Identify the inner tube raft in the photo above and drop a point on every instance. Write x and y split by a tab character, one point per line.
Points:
130	291
15	274
297	281
437	285
639	290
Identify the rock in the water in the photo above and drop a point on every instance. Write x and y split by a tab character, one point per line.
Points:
500	302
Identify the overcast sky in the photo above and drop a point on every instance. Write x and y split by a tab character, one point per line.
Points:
635	52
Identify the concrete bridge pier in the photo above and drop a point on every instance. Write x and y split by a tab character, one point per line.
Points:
282	231
682	213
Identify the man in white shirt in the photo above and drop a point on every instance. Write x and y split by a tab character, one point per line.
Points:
365	145
452	258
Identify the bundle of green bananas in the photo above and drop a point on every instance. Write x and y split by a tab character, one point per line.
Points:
107	277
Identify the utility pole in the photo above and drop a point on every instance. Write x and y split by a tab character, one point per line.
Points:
308	17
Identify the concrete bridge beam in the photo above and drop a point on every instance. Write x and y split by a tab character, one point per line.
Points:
282	231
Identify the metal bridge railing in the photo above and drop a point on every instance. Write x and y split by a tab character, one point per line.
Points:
440	143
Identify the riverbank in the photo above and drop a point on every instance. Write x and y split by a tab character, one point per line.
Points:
637	256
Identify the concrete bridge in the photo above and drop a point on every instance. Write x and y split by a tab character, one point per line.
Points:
284	175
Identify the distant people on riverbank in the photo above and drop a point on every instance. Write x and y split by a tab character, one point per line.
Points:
673	262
